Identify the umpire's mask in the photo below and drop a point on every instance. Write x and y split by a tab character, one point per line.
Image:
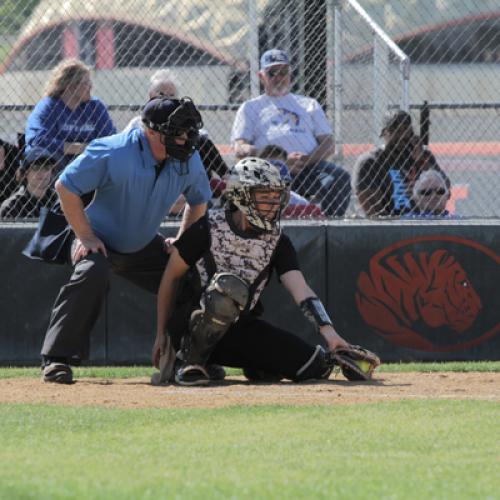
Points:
171	118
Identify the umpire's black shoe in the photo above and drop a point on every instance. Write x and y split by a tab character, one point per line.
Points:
192	375
59	373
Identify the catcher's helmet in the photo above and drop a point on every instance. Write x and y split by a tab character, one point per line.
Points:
248	175
172	117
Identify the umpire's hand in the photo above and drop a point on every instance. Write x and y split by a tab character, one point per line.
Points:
83	246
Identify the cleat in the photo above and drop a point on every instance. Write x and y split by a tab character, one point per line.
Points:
191	375
58	373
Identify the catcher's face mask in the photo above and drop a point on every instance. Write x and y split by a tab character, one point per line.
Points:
256	188
268	203
179	131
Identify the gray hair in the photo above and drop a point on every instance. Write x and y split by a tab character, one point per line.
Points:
161	78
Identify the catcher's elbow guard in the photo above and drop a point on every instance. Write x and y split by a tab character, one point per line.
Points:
315	312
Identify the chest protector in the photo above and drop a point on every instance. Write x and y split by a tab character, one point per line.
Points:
247	258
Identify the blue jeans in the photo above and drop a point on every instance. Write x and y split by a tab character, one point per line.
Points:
327	184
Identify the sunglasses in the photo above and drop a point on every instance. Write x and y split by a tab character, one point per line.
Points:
430	192
272	72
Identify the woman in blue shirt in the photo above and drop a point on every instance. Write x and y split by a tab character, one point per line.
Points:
67	118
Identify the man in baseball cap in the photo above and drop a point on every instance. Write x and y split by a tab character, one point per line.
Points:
298	124
384	177
273	57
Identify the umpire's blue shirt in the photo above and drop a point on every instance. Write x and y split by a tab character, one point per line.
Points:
131	199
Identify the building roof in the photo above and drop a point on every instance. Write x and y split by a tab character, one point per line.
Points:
218	28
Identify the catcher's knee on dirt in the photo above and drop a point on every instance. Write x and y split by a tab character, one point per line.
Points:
221	304
317	366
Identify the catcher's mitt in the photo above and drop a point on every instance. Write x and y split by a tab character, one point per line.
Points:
355	362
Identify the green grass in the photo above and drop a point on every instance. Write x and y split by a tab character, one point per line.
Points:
146	371
409	449
398	450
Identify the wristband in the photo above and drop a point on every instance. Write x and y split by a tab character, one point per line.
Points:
314	311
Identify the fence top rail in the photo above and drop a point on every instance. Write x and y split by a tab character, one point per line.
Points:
127	107
379	31
234	107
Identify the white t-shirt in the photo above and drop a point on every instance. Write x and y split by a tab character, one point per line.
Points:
291	121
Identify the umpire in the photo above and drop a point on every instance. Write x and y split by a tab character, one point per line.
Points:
137	176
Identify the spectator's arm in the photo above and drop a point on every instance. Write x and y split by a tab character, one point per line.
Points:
104	125
325	148
42	127
74	148
369	201
243	148
243	132
367	185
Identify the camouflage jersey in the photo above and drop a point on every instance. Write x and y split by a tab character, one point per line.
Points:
247	257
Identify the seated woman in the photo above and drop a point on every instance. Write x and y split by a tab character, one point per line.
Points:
67	118
35	178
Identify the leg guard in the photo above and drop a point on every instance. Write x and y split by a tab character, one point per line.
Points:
318	366
221	303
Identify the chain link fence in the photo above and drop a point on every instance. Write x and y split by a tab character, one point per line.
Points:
358	59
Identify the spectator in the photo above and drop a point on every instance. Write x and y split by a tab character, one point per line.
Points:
67	118
9	163
35	177
136	175
431	193
164	83
298	124
384	178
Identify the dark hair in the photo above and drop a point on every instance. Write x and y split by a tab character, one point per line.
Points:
396	120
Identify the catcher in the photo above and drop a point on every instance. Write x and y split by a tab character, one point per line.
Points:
208	299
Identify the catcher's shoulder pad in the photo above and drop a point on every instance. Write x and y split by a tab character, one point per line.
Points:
356	362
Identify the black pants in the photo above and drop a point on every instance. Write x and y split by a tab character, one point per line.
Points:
79	302
250	343
327	184
255	343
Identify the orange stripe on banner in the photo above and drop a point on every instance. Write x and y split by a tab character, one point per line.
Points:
438	148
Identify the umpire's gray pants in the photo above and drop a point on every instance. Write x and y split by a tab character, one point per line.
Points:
79	302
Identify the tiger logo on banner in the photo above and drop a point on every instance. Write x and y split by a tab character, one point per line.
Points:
420	299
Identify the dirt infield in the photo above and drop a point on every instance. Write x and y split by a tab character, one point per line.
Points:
138	393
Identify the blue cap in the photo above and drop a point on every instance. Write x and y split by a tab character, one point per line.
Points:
283	168
273	57
38	154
